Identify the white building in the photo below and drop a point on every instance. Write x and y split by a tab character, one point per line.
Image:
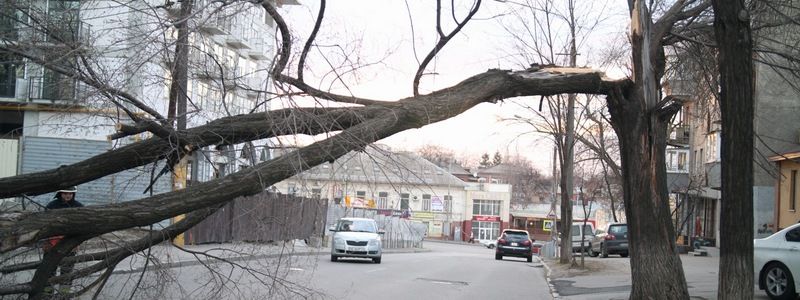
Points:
52	119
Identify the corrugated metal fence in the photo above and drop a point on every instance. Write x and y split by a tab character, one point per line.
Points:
260	218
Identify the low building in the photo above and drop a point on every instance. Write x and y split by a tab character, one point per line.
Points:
786	206
399	183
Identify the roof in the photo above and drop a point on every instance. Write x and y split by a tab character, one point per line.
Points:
503	168
795	154
378	165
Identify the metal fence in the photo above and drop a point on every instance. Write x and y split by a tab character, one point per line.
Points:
261	218
399	232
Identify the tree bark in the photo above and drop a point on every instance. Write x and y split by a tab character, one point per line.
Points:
735	61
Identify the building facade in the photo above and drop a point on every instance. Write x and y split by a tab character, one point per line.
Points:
408	186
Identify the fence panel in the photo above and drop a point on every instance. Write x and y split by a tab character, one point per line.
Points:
260	218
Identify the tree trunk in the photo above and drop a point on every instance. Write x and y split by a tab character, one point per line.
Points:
656	269
735	61
640	120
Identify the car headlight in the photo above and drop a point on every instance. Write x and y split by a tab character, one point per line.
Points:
375	242
338	241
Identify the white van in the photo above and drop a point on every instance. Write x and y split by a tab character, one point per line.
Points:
588	235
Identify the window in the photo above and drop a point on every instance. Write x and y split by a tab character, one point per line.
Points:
448	203
793	235
793	191
711	146
316	193
426	202
292	189
383	199
682	161
404	201
486	207
485	230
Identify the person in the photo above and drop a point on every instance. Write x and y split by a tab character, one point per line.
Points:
64	198
471	238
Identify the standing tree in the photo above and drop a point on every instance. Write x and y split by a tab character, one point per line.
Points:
485	162
735	61
497	159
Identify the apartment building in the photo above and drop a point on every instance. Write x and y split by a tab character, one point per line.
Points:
50	118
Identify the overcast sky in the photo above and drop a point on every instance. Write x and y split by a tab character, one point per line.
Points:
379	34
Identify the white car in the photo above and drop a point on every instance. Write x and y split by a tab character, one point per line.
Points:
489	243
777	263
356	237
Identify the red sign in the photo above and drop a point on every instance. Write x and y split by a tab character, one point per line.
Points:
486	218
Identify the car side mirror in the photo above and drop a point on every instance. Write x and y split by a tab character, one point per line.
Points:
332	228
381	232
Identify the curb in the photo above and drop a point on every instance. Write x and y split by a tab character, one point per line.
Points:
549	279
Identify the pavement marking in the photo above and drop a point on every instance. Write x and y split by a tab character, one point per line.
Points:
442	281
296	269
375	270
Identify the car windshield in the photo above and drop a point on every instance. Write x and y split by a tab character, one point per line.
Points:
516	236
357	226
618	229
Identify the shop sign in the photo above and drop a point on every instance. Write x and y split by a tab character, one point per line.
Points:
422	215
436	204
486	218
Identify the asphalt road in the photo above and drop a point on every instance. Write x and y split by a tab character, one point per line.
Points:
447	271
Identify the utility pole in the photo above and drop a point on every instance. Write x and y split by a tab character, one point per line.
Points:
177	98
568	154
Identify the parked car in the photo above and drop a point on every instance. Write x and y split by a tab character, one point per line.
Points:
613	241
489	243
514	242
585	232
776	259
356	237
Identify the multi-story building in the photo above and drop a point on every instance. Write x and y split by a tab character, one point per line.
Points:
50	118
775	128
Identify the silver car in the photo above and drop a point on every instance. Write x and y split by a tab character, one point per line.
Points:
356	237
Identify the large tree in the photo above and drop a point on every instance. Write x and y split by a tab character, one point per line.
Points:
638	114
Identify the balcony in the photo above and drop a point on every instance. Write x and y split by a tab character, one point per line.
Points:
679	135
258	49
67	33
215	25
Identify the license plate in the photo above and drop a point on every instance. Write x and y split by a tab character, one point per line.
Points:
514	244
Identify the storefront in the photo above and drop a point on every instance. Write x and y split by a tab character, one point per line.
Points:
486	227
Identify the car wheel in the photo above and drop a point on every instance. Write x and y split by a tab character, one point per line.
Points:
490	246
334	258
530	258
779	282
377	260
592	253
498	256
624	254
603	250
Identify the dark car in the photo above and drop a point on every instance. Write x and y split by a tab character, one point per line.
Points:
514	243
613	241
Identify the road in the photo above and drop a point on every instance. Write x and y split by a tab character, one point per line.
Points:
446	271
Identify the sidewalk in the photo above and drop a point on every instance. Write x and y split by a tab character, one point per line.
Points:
609	278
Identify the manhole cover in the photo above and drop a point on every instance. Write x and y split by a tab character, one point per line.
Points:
442	281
